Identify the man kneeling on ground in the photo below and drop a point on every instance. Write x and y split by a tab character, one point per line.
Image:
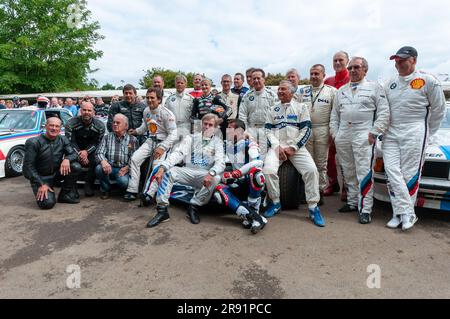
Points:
49	158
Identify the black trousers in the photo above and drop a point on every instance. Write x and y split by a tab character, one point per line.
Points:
90	175
52	180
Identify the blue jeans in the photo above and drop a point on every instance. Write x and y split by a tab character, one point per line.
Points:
105	180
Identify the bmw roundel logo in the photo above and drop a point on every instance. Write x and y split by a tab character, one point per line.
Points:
277	109
393	86
251	98
173	99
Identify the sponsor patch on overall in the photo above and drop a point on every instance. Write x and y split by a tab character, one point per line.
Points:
393	86
277	109
251	98
173	99
292	117
417	84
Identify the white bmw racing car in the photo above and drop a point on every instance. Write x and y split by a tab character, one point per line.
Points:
16	127
434	188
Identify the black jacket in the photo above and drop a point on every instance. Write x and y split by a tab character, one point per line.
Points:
85	137
210	104
102	110
134	112
43	157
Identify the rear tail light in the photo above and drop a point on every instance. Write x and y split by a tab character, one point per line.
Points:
2	156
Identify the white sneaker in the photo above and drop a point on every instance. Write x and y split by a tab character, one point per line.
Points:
394	222
408	221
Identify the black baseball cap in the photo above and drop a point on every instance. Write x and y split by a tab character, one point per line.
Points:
404	53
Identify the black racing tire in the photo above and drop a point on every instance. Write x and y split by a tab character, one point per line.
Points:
290	186
14	161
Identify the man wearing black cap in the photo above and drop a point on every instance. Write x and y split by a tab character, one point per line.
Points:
417	107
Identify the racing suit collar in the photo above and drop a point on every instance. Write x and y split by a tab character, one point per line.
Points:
408	78
357	83
316	88
155	110
260	92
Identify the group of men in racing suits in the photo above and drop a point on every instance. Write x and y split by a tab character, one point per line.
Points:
297	124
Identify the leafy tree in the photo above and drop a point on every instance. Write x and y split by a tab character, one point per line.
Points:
46	45
108	86
168	76
91	85
274	79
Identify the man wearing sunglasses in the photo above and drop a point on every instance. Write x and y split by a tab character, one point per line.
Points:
360	114
417	109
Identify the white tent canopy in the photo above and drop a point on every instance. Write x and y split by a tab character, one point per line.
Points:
111	93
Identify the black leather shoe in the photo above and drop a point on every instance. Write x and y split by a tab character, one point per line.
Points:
161	216
67	198
129	197
347	209
146	200
104	195
88	189
364	218
74	192
192	214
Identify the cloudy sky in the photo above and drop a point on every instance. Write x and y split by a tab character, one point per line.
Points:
228	36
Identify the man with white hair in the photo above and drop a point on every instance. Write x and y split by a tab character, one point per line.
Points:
203	155
360	114
114	155
180	104
288	128
293	76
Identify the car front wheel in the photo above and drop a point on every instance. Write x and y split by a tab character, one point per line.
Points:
14	161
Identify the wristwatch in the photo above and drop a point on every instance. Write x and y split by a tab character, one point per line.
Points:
212	173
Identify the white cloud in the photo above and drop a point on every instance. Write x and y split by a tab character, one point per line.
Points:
226	36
